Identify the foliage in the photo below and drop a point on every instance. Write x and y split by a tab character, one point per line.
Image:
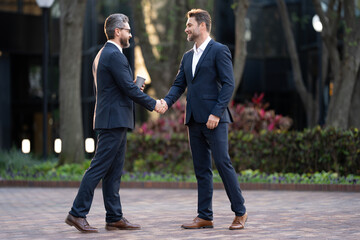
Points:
312	150
17	165
249	117
14	160
157	154
248	176
315	155
305	178
255	118
166	125
258	139
40	171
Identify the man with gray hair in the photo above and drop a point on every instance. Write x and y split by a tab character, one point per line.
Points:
116	93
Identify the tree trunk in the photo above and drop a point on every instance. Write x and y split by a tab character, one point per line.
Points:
71	128
240	41
311	106
354	120
344	65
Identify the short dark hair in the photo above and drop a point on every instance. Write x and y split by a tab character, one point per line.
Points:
113	21
201	16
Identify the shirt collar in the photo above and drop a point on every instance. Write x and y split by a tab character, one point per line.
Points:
117	45
202	46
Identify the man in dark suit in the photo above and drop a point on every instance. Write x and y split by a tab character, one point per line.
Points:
206	71
113	116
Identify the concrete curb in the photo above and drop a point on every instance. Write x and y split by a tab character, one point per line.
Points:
189	185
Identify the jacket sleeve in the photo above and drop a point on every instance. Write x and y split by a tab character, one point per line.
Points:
120	70
226	76
178	87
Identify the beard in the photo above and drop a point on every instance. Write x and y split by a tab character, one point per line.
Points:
124	42
192	36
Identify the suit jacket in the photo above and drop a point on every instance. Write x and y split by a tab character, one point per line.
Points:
115	90
211	88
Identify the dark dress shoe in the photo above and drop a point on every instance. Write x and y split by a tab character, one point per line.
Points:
198	223
239	222
123	224
80	224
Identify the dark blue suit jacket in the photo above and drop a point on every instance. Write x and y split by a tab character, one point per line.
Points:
211	88
115	90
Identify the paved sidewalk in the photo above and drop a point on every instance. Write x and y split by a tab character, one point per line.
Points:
39	213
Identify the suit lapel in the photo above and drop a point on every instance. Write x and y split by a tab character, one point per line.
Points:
207	49
188	66
115	48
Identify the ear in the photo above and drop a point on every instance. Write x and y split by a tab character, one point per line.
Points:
117	31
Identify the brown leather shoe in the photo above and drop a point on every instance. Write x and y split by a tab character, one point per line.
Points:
80	224
239	222
123	224
198	223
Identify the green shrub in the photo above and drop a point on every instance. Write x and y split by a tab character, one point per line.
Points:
320	152
313	150
309	151
154	154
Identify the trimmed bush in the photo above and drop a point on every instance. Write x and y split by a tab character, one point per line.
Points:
309	151
147	153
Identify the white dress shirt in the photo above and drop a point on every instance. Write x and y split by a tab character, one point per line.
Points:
198	52
117	45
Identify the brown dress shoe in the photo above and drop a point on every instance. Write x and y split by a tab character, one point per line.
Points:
239	222
123	224
80	224
198	223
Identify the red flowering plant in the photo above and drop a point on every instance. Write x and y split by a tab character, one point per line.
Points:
250	117
254	117
172	122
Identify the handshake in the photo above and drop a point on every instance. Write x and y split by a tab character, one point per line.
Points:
161	106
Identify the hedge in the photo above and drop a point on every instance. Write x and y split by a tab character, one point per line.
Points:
309	151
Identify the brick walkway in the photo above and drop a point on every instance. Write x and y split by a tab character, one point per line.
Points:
39	213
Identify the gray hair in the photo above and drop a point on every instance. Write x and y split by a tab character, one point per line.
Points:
117	20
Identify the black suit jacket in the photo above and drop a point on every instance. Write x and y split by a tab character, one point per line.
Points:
115	90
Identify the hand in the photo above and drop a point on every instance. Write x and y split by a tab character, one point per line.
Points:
142	87
165	106
212	122
160	107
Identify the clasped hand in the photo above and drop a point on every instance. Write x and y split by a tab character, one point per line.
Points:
161	106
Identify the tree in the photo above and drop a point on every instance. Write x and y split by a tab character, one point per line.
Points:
71	32
240	9
159	30
344	60
309	101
